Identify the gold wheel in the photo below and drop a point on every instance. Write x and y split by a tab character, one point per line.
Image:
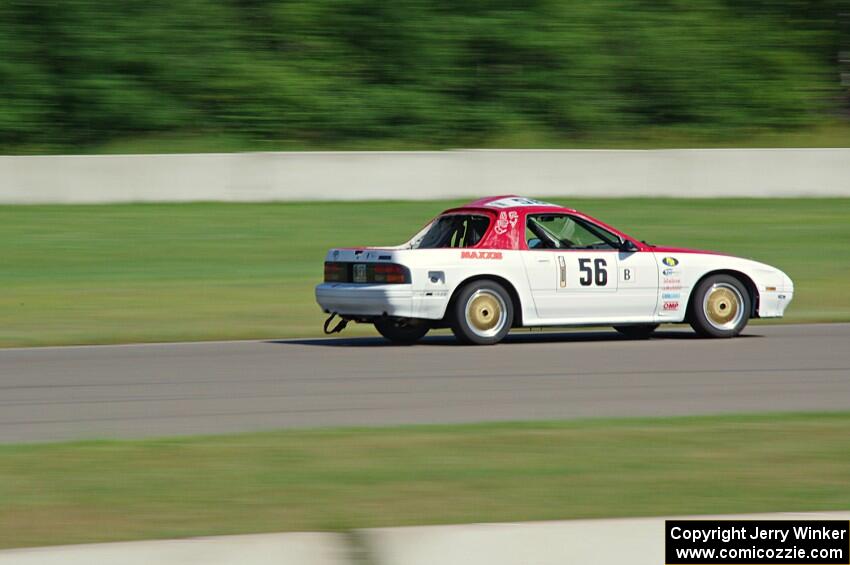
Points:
723	306
486	313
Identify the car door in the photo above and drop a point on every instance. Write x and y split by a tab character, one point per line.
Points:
578	273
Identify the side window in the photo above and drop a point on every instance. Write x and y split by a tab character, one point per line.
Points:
454	230
561	231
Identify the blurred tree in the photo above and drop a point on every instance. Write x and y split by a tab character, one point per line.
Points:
77	74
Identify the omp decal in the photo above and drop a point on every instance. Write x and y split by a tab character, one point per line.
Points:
669	306
670	261
480	254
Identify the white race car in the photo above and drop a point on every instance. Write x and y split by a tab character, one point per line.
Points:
505	262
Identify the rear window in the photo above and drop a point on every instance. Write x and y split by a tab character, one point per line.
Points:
454	230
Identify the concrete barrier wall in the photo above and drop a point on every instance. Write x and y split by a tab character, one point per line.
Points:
260	549
636	541
418	175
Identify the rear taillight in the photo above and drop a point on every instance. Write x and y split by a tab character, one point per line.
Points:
375	273
336	272
388	274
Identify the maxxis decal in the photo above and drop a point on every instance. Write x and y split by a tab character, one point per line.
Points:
481	255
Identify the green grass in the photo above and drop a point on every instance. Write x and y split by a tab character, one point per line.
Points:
353	478
145	272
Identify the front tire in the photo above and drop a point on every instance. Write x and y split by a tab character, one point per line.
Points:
642	331
482	314
402	332
720	307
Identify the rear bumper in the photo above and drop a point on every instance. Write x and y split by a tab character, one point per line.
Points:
366	300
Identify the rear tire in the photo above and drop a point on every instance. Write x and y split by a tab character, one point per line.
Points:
642	331
482	314
720	307
400	331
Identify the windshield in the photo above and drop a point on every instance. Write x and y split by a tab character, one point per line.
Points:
453	230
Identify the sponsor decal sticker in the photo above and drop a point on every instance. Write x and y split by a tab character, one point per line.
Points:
480	254
670	261
670	295
512	218
669	272
506	220
502	223
671	306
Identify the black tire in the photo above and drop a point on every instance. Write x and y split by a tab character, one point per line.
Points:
482	313
720	306
642	331
400	331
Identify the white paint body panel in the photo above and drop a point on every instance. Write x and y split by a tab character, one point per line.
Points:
640	288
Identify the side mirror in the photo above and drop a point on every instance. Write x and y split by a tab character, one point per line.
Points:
628	247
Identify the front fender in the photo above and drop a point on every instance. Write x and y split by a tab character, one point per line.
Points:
770	289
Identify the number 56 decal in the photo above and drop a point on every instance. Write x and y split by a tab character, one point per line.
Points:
595	274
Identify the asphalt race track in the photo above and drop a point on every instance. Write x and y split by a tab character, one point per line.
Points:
217	387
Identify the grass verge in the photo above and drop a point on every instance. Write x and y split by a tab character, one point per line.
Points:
165	272
353	478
